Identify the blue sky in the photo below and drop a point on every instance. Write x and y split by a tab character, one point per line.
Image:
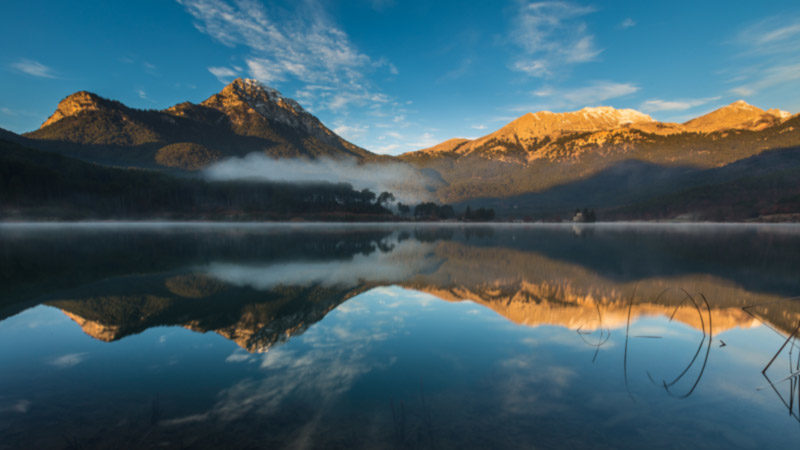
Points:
395	76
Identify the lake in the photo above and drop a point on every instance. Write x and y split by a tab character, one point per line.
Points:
399	336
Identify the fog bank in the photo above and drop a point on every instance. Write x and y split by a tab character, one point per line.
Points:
406	183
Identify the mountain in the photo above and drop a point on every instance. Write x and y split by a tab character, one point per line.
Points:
244	117
542	151
542	165
536	130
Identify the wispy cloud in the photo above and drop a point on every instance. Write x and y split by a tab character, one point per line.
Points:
302	44
394	142
627	23
590	95
33	68
655	105
771	48
143	95
351	132
224	74
552	35
150	68
771	35
68	360
457	72
768	77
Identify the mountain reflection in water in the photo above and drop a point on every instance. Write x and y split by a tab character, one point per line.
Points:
488	336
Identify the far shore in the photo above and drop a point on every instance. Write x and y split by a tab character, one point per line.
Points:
299	224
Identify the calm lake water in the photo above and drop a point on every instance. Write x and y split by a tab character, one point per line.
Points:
395	336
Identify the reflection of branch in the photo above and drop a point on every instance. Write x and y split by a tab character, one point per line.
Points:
793	378
699	347
706	340
627	337
794	370
781	349
708	350
605	334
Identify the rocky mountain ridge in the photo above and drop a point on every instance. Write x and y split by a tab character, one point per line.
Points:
244	117
539	135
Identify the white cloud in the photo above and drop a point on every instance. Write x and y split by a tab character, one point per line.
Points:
772	35
655	105
779	75
743	91
143	95
627	23
302	44
552	35
150	68
68	360
770	49
351	132
33	68
425	140
591	95
223	74
388	149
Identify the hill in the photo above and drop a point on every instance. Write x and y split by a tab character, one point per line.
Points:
41	185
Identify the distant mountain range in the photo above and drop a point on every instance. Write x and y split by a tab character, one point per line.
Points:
542	165
540	151
567	136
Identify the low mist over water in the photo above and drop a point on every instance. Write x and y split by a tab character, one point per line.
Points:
405	182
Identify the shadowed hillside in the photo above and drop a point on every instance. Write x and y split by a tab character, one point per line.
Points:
42	185
757	187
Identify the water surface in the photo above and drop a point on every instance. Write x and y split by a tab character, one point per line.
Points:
394	336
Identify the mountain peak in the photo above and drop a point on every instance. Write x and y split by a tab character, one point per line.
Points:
620	116
737	115
597	118
77	103
255	94
247	101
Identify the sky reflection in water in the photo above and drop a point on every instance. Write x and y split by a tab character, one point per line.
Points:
400	337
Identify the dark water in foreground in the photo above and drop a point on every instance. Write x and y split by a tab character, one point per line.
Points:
399	336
